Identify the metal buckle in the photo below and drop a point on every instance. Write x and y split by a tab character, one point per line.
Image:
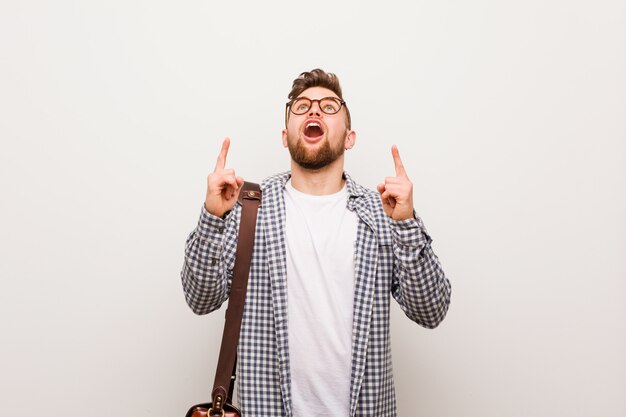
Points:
211	411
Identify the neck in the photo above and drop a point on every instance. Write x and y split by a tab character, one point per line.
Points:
323	181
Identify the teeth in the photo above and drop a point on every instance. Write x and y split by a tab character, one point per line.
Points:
312	124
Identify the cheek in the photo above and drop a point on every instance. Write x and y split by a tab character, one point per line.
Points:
292	127
290	133
340	126
340	131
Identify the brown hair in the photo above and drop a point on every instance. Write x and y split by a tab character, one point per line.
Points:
316	78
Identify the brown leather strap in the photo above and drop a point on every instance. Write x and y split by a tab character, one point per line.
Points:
250	199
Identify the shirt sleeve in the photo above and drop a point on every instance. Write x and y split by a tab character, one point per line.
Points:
419	284
205	276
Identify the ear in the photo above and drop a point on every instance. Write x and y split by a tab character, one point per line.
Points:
285	138
350	139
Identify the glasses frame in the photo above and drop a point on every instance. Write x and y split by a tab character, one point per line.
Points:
319	104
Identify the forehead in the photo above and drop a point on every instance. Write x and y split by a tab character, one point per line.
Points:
317	92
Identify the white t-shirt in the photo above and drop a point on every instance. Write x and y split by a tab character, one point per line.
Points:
320	237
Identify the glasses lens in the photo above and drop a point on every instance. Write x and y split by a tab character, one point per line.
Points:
301	105
330	105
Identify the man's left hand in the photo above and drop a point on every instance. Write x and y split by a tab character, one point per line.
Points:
397	192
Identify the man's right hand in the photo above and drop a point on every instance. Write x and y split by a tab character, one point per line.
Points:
222	185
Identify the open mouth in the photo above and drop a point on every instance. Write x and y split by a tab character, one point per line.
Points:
313	130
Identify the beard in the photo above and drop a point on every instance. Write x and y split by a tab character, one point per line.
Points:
314	159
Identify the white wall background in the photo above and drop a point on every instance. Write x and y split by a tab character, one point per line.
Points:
510	117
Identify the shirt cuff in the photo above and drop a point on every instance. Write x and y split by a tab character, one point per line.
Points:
209	226
410	232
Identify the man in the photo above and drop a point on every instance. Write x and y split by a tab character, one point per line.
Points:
328	254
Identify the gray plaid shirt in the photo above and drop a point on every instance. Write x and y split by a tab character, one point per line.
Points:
391	258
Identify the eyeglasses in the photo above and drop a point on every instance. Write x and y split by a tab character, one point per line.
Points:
328	105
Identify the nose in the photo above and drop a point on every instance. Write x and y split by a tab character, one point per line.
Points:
315	108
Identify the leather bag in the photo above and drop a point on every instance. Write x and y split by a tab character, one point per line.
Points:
221	406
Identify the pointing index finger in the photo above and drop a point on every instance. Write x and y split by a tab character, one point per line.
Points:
400	172
221	158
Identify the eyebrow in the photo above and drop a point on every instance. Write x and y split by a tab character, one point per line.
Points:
322	98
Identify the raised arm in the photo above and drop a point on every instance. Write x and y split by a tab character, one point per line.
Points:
211	246
419	283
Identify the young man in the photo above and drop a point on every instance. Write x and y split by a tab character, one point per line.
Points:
328	255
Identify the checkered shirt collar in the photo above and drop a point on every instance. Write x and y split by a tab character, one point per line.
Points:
278	181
